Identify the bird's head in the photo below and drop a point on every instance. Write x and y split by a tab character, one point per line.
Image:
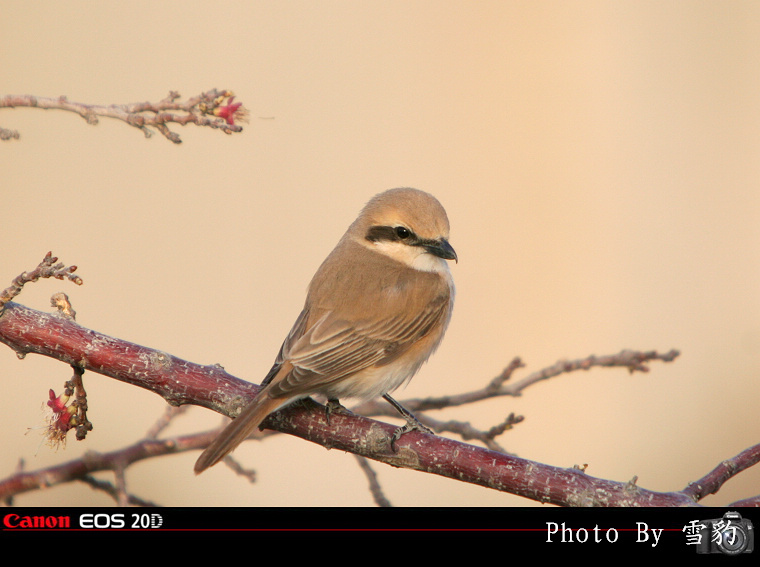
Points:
407	225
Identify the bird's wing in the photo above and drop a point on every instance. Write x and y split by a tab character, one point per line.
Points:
334	348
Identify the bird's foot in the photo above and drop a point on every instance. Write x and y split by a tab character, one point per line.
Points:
334	406
412	424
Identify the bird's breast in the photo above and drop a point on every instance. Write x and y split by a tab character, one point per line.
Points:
375	381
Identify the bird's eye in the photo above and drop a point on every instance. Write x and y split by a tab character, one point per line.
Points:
402	232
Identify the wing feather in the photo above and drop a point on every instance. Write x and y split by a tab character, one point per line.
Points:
322	358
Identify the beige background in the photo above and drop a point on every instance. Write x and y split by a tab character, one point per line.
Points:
598	161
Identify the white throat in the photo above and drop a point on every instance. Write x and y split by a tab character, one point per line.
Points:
413	256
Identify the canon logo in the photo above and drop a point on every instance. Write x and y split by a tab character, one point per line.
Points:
27	522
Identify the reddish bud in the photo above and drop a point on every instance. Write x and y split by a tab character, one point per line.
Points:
232	111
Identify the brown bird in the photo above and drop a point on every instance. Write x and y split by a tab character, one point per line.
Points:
376	309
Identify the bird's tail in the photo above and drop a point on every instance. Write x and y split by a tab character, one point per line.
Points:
237	431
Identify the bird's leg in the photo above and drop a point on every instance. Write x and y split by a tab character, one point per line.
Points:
334	405
412	423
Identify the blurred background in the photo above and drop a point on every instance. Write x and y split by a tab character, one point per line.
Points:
598	162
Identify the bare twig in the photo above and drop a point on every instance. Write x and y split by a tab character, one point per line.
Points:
161	424
213	109
114	493
634	361
79	469
469	433
374	486
45	269
712	481
239	469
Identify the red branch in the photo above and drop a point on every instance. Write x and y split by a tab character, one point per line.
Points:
177	381
182	382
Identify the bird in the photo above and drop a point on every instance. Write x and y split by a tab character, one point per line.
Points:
375	310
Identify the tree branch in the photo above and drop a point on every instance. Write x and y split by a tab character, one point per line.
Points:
212	109
182	382
712	481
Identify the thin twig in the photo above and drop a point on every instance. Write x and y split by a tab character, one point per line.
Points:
113	492
374	486
634	361
45	269
213	109
163	422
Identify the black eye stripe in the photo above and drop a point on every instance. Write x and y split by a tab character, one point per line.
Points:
390	233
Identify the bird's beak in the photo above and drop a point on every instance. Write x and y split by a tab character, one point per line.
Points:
442	249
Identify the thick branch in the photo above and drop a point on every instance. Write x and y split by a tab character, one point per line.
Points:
181	382
177	381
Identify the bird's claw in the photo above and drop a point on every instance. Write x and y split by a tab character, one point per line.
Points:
411	425
334	406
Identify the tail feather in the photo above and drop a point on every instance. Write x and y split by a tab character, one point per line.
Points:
237	431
